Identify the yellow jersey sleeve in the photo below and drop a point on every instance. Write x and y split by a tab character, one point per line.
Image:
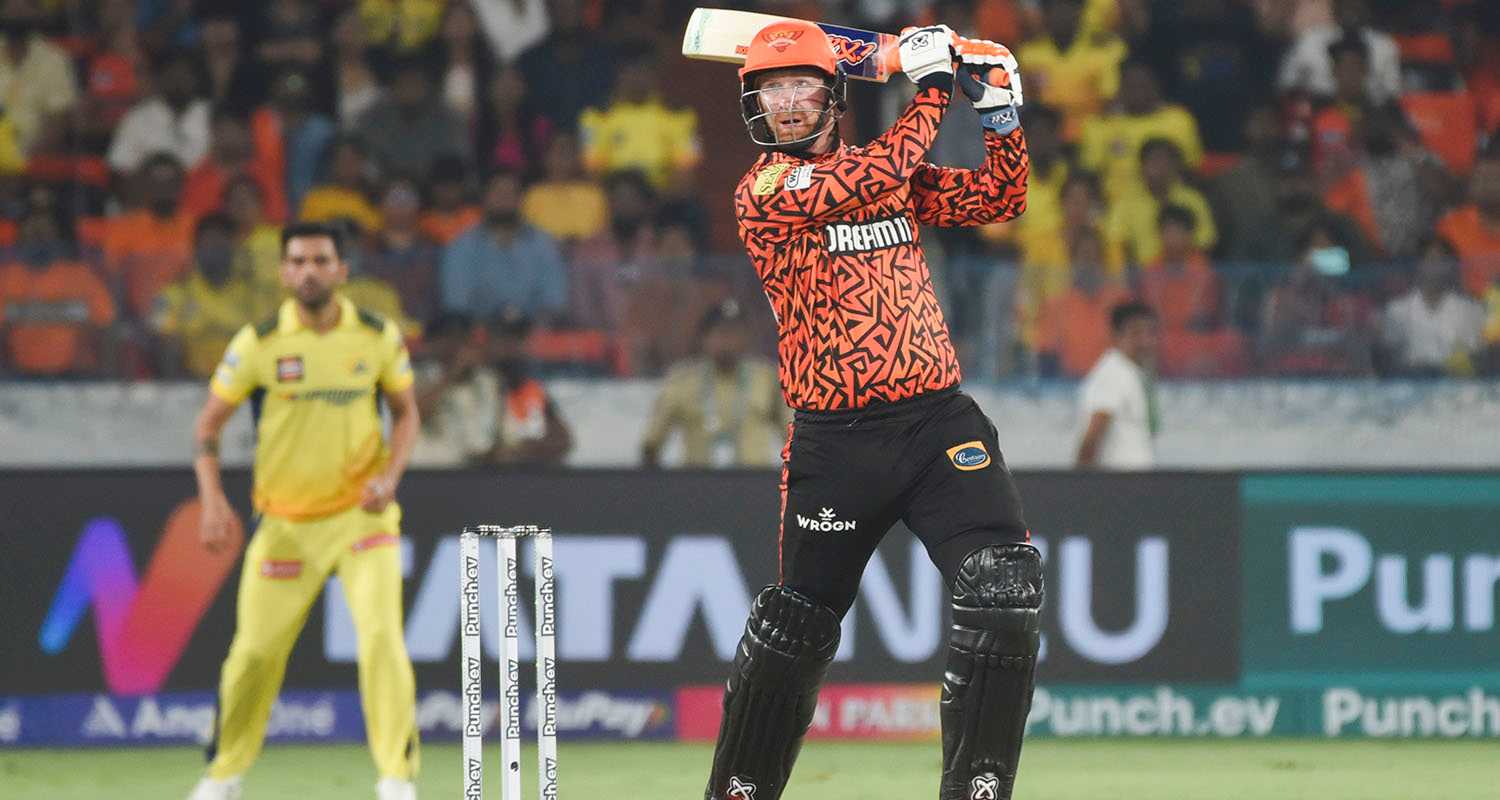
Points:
395	370
235	378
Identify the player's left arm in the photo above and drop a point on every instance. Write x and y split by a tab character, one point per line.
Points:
396	383
988	76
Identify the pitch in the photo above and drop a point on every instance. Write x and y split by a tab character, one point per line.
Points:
1051	770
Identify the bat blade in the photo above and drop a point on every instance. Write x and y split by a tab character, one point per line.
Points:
717	34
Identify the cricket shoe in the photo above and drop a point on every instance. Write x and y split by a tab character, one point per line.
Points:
395	789
214	789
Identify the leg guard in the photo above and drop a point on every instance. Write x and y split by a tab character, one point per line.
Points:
991	668
772	694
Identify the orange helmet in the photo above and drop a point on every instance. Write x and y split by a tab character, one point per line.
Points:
780	45
790	43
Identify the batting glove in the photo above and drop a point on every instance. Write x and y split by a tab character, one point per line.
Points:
926	51
989	76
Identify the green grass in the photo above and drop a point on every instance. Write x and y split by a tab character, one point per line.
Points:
1051	770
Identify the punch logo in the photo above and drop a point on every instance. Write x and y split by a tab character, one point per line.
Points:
850	51
825	522
969	456
741	790
984	787
860	237
142	628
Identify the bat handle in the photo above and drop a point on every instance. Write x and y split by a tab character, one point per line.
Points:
890	56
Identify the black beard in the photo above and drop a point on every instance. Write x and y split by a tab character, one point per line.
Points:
317	303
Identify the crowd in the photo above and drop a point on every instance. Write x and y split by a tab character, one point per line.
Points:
1297	187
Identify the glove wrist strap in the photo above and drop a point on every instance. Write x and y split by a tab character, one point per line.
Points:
1001	120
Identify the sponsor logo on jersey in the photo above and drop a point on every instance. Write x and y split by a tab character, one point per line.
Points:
799	178
280	570
337	397
861	237
768	179
826	522
969	456
289	369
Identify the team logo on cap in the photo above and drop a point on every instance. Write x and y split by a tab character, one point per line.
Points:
781	40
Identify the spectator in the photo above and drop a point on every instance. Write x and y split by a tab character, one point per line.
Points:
1211	57
150	247
372	292
1180	285
1474	228
1309	326
174	119
521	132
195	317
405	27
36	76
257	242
355	82
1118	398
464	60
1435	329
113	77
412	127
1393	186
12	162
1246	194
290	39
513	28
1073	328
458	395
607	266
1299	207
301	134
232	80
566	203
1074	72
1111	144
1335	125
552	68
503	263
1309	65
1050	168
725	404
346	193
54	311
401	254
451	210
531	430
1133	218
231	155
638	132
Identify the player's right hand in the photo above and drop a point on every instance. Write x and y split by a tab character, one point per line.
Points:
217	522
926	51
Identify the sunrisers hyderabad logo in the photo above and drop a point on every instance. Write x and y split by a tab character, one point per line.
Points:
850	51
781	40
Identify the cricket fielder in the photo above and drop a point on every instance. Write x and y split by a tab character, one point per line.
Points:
325	485
881	431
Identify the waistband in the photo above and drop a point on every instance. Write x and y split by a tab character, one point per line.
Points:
876	411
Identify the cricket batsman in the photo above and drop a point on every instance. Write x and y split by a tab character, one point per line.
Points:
316	375
881	431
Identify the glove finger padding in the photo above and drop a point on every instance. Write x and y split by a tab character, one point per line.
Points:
926	51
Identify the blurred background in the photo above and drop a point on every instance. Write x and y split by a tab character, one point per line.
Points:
1307	192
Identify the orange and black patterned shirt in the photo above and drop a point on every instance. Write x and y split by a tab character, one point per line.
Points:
835	242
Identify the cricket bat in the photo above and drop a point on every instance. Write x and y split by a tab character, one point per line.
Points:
717	34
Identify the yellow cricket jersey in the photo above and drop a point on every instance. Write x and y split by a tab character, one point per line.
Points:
315	400
646	136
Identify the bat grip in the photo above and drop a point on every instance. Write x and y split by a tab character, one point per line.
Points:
890	57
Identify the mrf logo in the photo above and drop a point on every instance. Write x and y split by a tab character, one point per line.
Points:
969	456
850	51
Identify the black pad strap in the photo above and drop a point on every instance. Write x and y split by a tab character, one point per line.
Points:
772	694
991	670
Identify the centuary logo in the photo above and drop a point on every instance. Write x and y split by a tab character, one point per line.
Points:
969	456
142	628
858	237
825	522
